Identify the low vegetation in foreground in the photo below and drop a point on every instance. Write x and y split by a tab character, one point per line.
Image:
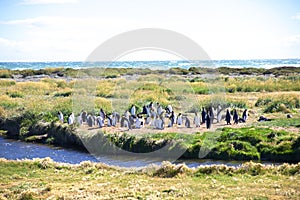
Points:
45	179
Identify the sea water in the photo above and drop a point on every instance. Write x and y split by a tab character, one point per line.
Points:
258	63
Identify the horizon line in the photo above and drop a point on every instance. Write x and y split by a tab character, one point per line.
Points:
82	61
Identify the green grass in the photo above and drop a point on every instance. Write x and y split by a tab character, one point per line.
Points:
43	178
281	122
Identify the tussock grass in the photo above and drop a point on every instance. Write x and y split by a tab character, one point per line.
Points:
43	178
285	103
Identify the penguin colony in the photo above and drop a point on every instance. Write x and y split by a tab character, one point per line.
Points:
155	116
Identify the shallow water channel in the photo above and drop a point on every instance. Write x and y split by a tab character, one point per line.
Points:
13	150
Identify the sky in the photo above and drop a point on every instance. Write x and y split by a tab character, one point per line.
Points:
69	30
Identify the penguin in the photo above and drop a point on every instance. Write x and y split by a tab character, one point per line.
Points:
179	119
211	113
127	114
144	110
151	105
148	120
219	113
228	117
117	117
159	109
162	121
109	120
99	120
245	115
131	121
139	122
187	122
83	116
169	109
203	115
60	117
159	123
235	117
79	120
125	123
197	120
102	114
71	119
132	110
208	121
172	119
153	117
90	120
95	120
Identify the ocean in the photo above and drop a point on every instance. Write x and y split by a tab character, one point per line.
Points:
257	63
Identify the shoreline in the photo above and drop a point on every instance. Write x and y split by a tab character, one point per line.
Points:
109	143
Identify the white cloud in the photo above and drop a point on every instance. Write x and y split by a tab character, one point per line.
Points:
62	38
43	2
297	16
7	43
291	40
63	22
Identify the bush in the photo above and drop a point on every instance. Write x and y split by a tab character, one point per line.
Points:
283	103
2	112
263	102
237	150
4	73
15	94
7	83
63	94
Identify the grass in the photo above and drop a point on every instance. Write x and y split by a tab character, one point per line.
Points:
43	178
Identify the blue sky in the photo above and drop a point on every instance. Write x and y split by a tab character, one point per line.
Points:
63	30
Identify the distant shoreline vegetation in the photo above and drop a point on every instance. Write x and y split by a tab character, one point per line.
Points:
116	72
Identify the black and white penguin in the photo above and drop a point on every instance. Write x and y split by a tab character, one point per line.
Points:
187	122
102	114
132	110
172	119
208	121
203	115
71	119
60	117
179	119
83	116
125	123
90	120
245	115
197	120
228	117
235	117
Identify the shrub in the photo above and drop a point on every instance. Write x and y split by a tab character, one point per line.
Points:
15	94
63	94
282	103
7	83
2	112
4	73
263	102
